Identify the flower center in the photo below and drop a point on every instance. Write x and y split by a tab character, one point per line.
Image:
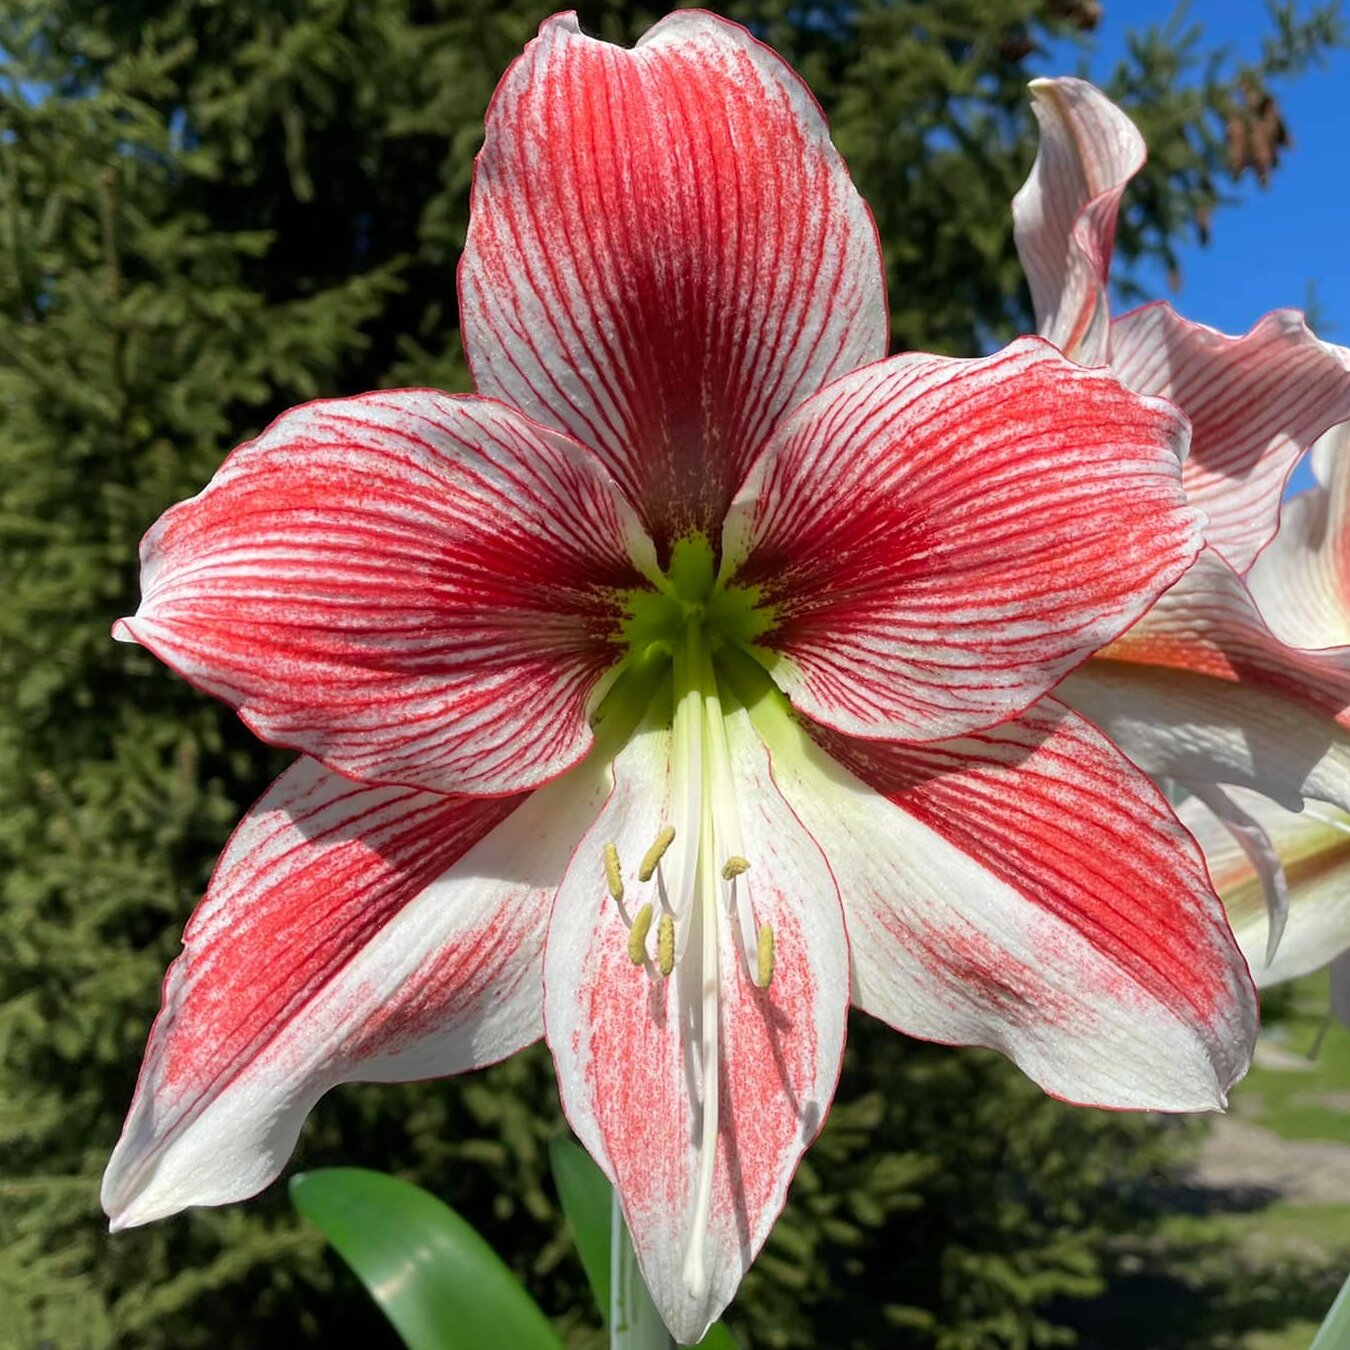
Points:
695	877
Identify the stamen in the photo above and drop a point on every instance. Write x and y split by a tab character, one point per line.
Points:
709	922
665	945
652	858
734	867
764	970
613	874
637	935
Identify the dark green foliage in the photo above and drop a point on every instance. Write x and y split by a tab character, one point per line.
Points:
211	210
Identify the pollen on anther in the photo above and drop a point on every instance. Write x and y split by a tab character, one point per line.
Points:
764	964
613	874
734	867
665	944
637	935
652	858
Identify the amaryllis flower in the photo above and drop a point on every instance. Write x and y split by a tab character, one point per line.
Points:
677	690
1200	692
1255	402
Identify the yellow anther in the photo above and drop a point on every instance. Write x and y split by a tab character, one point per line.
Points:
734	866
665	945
637	935
613	876
653	855
764	972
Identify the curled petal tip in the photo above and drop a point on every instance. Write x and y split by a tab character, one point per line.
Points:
122	630
565	20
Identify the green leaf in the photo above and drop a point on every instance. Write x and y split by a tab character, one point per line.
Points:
586	1198
435	1279
1335	1331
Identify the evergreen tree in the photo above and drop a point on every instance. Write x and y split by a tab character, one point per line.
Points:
210	211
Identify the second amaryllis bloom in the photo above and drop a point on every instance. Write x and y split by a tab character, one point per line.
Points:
677	689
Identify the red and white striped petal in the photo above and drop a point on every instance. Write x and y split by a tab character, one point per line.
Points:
1255	402
939	541
350	933
1064	216
1314	849
665	254
1202	691
1301	582
1029	890
414	588
628	1044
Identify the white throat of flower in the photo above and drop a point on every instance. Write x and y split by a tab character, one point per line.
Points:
701	880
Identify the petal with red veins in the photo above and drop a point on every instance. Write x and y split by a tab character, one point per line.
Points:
414	588
627	1043
1028	890
939	541
665	254
1313	847
1301	582
1064	216
350	933
1255	403
1202	691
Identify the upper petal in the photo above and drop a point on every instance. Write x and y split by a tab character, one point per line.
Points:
1027	889
1313	847
1301	582
939	541
349	933
413	588
665	254
1255	403
1064	216
1203	692
628	1044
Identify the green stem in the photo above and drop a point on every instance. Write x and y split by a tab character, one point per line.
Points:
634	1323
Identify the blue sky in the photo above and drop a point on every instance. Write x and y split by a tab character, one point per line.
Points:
1268	250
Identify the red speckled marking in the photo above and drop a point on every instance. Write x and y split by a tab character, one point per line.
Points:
963	958
641	1092
460	977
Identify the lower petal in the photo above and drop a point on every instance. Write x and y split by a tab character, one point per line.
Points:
349	933
1028	890
629	1043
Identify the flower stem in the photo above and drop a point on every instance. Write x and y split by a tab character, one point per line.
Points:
634	1323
